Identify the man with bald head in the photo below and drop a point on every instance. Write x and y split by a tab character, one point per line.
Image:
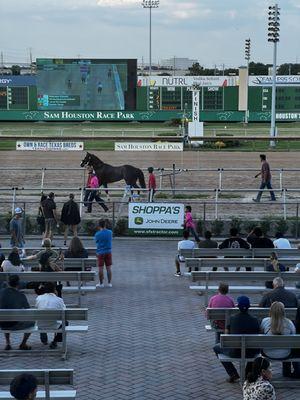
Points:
279	293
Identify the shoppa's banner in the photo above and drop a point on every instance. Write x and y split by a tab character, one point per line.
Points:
49	146
159	219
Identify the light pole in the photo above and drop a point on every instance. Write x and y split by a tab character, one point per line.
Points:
273	36
247	58
150	4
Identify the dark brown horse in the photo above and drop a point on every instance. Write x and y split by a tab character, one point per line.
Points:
107	173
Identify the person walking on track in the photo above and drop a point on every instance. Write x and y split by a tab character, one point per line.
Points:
95	195
265	179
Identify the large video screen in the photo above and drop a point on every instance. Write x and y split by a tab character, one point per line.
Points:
80	84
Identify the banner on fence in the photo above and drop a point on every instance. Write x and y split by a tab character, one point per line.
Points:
49	146
144	146
165	219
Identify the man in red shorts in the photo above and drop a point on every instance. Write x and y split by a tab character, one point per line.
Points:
103	239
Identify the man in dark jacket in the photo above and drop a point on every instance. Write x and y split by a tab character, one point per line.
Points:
258	241
279	293
12	298
242	323
70	217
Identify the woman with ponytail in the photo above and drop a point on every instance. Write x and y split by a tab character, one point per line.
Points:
257	385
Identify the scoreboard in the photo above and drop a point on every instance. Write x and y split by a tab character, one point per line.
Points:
14	98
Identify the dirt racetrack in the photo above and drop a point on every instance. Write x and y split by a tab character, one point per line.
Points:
240	179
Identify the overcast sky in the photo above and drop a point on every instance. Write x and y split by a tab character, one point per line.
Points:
212	31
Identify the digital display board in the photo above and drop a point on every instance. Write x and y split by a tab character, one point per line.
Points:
81	84
3	98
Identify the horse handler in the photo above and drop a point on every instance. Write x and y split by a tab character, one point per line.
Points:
151	184
103	239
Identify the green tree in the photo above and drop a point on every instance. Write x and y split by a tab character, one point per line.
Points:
16	70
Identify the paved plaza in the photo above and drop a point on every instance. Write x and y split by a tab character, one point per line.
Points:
146	337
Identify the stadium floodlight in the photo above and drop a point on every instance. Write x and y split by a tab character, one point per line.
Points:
248	50
273	36
150	4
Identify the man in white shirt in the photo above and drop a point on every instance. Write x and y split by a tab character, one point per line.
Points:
281	242
49	300
184	244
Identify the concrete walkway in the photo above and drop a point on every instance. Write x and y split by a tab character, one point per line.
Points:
146	336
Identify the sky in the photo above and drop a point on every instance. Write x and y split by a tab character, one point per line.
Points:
211	31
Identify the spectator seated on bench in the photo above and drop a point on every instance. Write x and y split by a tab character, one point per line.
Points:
221	300
279	293
47	257
76	250
281	242
49	300
258	240
278	324
24	387
274	265
241	323
208	243
234	242
13	262
257	384
183	244
12	298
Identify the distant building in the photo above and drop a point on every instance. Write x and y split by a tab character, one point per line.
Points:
178	63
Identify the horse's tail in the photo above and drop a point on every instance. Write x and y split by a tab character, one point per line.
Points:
141	179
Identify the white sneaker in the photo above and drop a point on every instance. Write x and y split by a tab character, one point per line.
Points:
109	285
100	285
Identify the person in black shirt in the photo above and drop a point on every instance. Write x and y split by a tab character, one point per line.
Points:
279	293
258	241
12	298
242	323
235	242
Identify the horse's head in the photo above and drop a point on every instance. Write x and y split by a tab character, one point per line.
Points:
87	160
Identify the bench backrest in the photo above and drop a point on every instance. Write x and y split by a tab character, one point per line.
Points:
83	276
244	276
68	262
44	376
224	314
69	314
237	262
260	341
198	253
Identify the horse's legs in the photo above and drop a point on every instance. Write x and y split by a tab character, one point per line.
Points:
136	186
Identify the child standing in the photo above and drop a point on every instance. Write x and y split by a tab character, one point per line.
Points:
151	184
189	224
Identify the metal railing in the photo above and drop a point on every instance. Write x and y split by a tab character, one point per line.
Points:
162	172
214	193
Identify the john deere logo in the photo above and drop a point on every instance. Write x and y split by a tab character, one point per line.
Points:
138	220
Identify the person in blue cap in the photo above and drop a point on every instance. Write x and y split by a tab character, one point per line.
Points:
241	323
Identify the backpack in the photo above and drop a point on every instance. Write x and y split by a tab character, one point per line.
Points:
44	260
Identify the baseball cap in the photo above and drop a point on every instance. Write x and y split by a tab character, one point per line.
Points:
243	303
18	210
